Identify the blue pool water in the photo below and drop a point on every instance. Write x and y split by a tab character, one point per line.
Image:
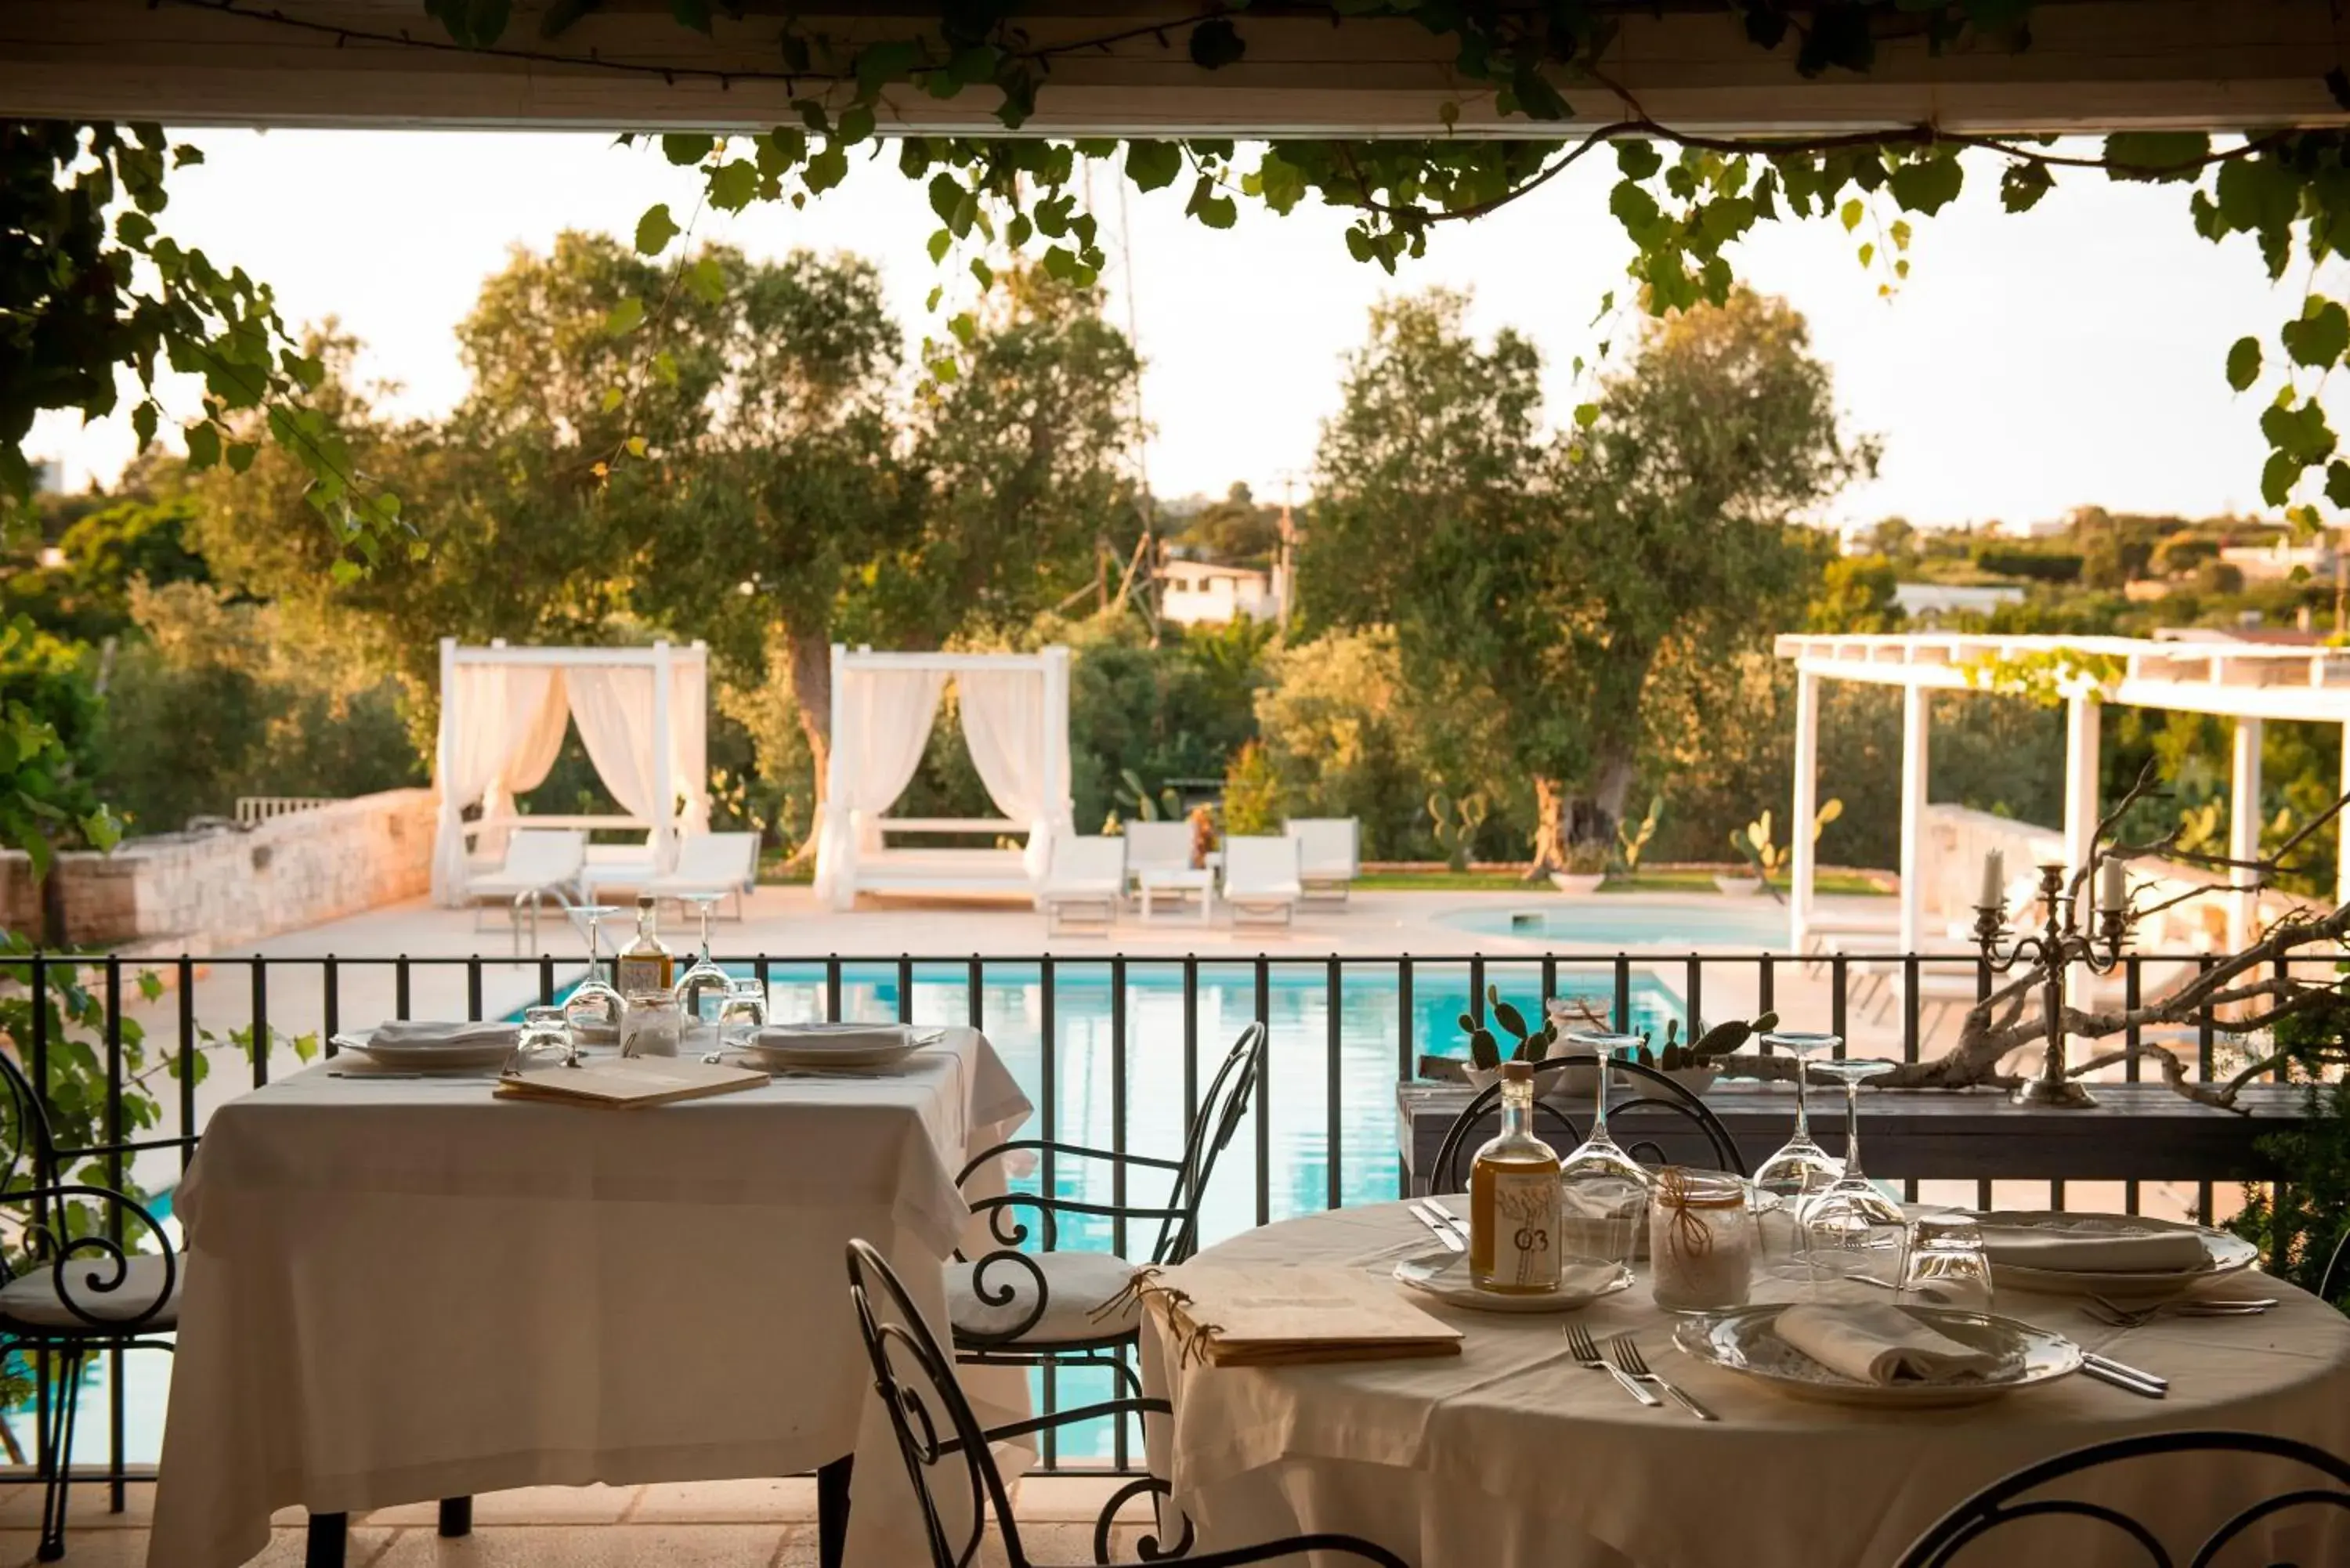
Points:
1606	923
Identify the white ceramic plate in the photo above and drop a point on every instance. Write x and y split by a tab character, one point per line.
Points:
1745	1340
2224	1253
1445	1276
835	1047
439	1056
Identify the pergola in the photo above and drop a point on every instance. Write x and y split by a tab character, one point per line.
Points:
1016	720
2247	684
643	716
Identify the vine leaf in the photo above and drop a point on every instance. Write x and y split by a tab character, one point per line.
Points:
2162	156
1216	43
695	14
2244	363
655	230
1927	185
2022	185
1153	165
2337	483
2318	338
561	14
475	24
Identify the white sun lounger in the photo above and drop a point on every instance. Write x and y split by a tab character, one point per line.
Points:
540	863
1086	880
1261	879
1329	854
711	863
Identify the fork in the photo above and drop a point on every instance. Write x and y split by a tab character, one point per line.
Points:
1579	1341
2119	1316
1635	1366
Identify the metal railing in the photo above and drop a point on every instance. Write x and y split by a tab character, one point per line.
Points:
1088	1037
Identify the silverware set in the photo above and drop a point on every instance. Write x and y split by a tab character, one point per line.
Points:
2116	1316
2123	1375
1624	1362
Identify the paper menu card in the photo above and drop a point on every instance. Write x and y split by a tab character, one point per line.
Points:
630	1081
1231	1315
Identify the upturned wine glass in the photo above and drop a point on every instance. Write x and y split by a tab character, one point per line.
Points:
1850	1230
704	977
1604	1191
593	1002
1801	1166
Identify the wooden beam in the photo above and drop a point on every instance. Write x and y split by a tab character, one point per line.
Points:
2092	65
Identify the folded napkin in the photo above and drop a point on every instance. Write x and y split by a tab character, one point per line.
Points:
1880	1344
828	1036
2090	1246
411	1033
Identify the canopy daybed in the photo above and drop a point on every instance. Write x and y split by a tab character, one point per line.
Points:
643	716
1015	720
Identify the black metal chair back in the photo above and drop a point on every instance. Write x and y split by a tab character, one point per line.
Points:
937	1433
68	1226
1651	1090
1229	1094
2330	1282
2009	1502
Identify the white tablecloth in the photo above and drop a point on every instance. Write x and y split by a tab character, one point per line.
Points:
402	1290
1513	1456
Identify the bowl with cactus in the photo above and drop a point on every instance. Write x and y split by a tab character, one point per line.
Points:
1583	866
1693	1064
1502	1036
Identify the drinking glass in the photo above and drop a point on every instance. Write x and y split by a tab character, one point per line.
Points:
1947	1265
704	976
1851	1230
1603	1191
593	1002
743	1012
1801	1166
545	1033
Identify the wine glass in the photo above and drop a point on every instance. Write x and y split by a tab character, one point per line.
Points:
593	1002
1798	1169
1947	1265
1603	1191
743	1012
545	1030
703	976
1850	1230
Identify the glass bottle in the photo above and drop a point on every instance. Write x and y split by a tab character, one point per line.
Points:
1513	1199
645	965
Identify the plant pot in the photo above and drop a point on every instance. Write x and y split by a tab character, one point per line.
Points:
1577	882
1482	1078
1695	1080
1738	886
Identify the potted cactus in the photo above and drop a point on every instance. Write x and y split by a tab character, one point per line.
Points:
1696	1065
1485	1053
1585	869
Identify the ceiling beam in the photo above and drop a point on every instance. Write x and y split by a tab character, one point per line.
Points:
2094	65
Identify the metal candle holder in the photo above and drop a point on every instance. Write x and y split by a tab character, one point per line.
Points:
2059	944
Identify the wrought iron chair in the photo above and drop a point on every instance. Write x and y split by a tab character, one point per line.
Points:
1654	1092
2007	1501
2329	1283
1027	1308
935	1425
72	1286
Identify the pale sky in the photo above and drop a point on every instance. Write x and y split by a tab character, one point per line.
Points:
2067	357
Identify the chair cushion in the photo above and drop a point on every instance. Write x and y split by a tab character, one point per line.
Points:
1076	1285
33	1298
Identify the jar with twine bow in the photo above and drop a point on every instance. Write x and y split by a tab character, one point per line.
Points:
1701	1239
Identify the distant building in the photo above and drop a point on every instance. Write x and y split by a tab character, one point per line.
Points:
2279	559
48	477
1931	601
1197	593
2043	528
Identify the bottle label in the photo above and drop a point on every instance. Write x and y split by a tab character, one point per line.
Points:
637	976
1525	1229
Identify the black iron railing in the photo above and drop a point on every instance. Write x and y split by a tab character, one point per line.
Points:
1088	1035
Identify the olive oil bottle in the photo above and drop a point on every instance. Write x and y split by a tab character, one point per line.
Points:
1513	1199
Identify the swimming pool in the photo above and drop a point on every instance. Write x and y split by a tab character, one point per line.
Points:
1605	922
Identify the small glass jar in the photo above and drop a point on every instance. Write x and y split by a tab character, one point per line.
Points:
652	1026
1701	1239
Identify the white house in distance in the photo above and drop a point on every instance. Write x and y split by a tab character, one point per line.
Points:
1199	593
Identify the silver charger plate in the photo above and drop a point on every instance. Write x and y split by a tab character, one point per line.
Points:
449	1056
2224	1253
1444	1275
1745	1340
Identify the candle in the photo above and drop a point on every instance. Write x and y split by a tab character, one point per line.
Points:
2113	885
1994	881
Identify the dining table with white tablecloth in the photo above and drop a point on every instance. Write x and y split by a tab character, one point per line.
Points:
1514	1455
403	1288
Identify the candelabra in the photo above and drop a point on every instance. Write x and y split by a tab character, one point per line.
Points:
2059	944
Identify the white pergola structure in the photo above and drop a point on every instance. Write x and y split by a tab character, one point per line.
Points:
644	718
1015	720
2248	684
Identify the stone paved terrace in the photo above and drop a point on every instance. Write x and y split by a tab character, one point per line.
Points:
707	1524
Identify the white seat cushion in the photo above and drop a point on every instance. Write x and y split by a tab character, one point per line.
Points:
1076	1285
33	1298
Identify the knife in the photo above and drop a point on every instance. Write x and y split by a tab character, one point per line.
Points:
2104	1372
1458	1223
1444	1233
2151	1379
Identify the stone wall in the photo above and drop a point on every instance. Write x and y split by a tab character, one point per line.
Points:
211	891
